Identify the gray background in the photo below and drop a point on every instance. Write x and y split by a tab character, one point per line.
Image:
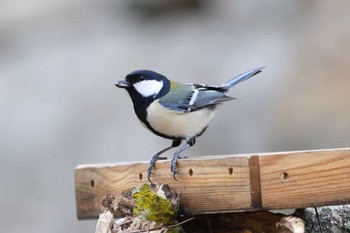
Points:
59	107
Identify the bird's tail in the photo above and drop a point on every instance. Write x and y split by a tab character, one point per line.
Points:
242	77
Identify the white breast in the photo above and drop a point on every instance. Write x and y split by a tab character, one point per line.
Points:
178	124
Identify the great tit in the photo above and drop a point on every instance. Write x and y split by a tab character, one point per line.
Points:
174	110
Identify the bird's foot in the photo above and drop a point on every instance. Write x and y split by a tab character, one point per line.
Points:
151	165
173	166
173	162
182	156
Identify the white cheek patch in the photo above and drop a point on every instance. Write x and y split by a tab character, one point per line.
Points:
148	87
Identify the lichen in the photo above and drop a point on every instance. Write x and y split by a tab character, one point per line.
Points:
152	207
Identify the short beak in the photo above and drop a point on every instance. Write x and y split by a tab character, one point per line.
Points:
122	84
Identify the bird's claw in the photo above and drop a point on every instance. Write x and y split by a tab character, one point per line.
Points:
151	165
173	162
182	156
150	168
149	172
173	168
174	176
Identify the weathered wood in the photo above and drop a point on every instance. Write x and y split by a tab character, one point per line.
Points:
201	182
218	184
305	179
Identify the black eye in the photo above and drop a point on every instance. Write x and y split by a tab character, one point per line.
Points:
141	78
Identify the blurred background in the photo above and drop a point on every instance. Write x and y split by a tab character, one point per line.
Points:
59	107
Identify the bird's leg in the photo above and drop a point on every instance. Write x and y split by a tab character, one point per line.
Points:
153	160
176	156
156	157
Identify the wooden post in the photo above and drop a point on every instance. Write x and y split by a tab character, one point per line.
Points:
232	183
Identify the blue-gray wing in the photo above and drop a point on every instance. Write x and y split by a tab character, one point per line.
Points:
203	97
191	98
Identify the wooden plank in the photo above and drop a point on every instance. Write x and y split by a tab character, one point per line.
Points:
206	184
305	179
218	184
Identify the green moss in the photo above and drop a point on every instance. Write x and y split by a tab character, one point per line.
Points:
150	206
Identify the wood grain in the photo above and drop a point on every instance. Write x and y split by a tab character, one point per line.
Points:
219	184
305	179
207	190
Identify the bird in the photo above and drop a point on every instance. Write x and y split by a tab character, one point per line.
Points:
174	110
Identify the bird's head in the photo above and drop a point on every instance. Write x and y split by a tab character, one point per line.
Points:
144	85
